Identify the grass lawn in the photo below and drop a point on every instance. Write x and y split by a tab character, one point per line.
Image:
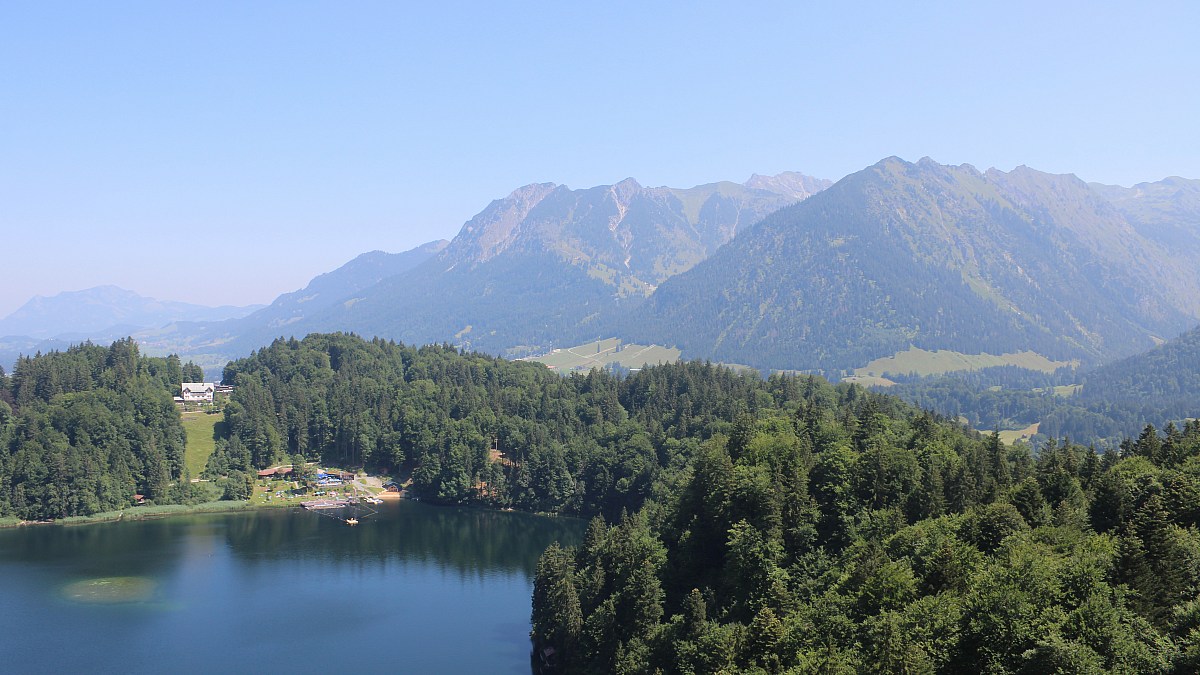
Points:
200	443
869	381
1011	436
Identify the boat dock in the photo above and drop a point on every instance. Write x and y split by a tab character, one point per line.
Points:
327	503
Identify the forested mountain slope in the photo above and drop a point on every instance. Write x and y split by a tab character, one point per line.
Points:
939	257
747	524
1101	406
1165	379
225	340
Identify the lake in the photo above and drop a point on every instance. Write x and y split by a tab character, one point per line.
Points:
414	589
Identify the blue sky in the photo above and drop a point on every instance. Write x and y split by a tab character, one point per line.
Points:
269	142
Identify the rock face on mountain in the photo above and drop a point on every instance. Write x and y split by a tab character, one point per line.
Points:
939	257
547	261
628	236
105	312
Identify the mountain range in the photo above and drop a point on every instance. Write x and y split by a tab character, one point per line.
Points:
544	263
778	272
939	257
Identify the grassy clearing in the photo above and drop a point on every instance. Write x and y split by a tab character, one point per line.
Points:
869	380
200	442
742	368
940	361
601	353
1011	436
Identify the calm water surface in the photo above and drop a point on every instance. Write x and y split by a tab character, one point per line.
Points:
414	589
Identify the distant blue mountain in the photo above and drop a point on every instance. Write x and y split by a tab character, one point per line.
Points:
105	311
212	343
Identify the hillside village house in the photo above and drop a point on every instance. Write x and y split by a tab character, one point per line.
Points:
202	392
197	392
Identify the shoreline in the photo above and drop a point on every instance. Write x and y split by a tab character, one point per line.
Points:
224	506
154	512
136	513
144	513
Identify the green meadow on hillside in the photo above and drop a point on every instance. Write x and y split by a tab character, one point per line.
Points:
200	428
941	361
602	353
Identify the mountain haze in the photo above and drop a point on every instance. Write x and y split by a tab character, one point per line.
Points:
105	311
223	340
1166	212
327	289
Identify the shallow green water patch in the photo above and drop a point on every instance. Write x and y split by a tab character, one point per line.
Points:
110	590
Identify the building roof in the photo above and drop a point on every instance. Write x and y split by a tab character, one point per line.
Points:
198	386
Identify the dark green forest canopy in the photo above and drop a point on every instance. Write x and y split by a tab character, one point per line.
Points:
474	428
851	540
83	431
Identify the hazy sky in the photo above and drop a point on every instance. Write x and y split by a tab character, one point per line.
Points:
223	153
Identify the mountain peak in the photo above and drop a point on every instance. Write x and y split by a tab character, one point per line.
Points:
533	192
625	190
792	184
494	228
